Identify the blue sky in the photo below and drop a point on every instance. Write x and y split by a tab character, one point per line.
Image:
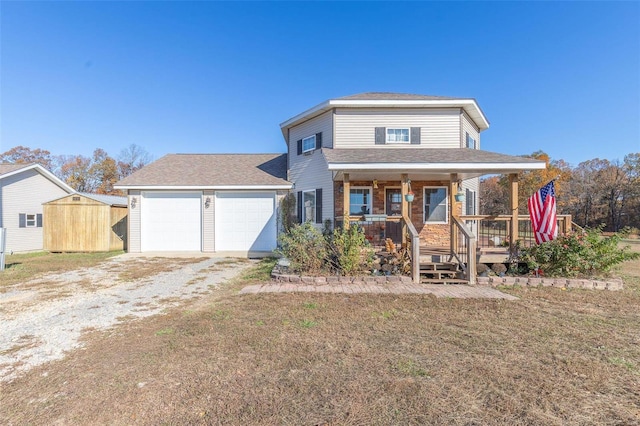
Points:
206	77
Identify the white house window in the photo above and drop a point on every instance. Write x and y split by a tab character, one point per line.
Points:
471	142
436	206
470	198
309	143
31	221
309	206
397	135
359	201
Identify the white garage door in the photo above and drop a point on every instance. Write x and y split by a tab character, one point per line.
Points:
245	221
170	221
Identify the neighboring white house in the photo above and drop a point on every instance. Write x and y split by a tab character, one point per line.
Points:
23	189
348	159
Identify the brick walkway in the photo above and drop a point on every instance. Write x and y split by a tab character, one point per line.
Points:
438	290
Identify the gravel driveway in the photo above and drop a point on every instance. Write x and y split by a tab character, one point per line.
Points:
43	318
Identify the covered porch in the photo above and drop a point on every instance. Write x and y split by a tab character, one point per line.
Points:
412	198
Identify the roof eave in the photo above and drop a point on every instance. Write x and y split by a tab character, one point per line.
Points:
441	167
203	187
46	173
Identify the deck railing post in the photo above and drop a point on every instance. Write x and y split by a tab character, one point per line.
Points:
513	235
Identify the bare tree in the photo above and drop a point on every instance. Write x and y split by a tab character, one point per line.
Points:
131	159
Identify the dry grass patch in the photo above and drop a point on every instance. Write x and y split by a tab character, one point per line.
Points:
23	267
553	357
138	269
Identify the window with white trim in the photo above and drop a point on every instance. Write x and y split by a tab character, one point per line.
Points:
309	206
359	200
436	204
398	135
31	221
309	143
471	142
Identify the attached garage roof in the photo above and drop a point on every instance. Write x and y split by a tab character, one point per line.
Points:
211	171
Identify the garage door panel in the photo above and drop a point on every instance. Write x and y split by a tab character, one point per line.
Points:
245	222
171	221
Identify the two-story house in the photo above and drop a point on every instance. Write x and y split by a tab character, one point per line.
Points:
358	157
392	162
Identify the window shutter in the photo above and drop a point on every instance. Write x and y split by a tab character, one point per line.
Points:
300	201
380	136
319	205
39	220
415	135
22	220
318	140
299	146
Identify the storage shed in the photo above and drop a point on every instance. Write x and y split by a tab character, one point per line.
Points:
85	223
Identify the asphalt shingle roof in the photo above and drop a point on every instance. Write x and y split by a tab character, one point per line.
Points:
211	169
10	167
420	155
376	96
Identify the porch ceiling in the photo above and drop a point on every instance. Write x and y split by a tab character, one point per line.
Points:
424	163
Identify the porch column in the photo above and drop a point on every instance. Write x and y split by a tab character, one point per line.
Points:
513	235
346	189
453	190
404	177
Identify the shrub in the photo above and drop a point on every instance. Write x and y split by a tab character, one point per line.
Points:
499	268
288	212
305	247
578	253
350	251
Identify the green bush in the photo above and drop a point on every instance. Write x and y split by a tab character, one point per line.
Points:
305	247
578	254
350	251
343	251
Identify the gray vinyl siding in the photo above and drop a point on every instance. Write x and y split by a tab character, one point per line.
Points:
310	171
469	127
24	193
134	222
208	217
439	127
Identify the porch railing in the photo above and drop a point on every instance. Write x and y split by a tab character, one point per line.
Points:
464	249
495	231
413	245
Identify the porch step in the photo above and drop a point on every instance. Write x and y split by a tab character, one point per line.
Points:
440	272
443	281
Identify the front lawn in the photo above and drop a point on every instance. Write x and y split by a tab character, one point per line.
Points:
22	267
553	357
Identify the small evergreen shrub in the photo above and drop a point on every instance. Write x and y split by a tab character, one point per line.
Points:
578	254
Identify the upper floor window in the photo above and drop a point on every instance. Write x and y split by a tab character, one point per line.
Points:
397	135
359	201
309	143
436	206
471	142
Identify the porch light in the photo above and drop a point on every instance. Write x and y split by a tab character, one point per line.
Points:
207	202
375	183
134	201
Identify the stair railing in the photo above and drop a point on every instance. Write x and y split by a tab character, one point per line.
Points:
413	245
465	252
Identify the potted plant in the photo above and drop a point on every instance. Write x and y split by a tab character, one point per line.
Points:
409	196
460	196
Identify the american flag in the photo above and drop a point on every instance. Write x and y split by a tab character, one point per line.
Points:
542	210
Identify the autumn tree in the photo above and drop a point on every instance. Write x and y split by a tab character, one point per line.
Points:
75	171
131	159
23	155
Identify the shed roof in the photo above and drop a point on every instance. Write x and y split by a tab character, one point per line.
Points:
192	171
112	200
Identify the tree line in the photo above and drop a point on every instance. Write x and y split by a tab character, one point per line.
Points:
96	174
595	192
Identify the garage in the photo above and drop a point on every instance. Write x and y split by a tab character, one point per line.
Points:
171	221
245	221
